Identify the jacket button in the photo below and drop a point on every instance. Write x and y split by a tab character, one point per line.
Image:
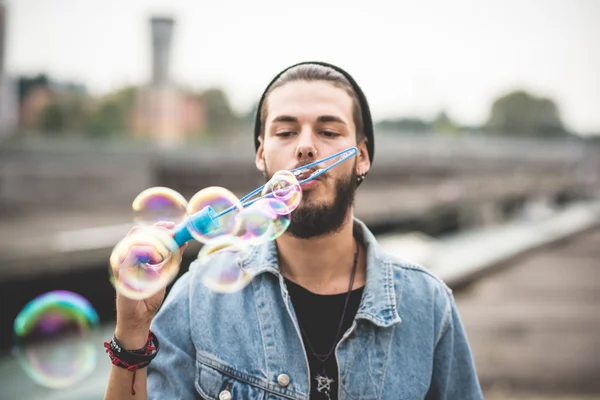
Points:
283	380
225	395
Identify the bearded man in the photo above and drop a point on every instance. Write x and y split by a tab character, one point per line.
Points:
329	314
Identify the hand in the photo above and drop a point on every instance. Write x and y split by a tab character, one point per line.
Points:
134	316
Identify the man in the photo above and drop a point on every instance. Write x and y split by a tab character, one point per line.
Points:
329	314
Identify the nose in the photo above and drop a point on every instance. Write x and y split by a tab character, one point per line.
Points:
306	152
306	148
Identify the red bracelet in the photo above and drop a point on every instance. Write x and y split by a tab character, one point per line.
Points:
132	360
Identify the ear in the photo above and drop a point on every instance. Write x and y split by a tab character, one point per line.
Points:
260	157
363	163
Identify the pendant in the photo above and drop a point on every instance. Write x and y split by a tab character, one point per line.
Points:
324	384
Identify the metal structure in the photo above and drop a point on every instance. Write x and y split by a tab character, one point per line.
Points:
162	34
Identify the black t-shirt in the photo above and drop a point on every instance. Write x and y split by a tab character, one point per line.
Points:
319	316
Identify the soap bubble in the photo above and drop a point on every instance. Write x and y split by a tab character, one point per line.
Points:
53	339
159	204
220	199
219	268
284	186
280	225
262	221
144	262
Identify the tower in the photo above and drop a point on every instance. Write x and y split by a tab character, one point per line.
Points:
162	111
162	33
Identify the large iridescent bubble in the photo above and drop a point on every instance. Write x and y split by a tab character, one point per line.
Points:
223	276
262	221
159	204
53	339
144	262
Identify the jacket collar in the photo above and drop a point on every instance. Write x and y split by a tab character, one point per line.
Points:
378	303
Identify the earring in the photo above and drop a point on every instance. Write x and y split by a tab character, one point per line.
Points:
361	177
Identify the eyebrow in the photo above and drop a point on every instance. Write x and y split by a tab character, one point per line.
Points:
285	118
322	119
330	118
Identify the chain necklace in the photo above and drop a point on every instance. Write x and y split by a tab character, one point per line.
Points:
323	381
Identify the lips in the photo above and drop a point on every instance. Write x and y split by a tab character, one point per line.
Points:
305	173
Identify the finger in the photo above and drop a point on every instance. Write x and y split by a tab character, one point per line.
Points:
160	239
183	247
158	245
150	228
134	230
135	256
164	230
143	254
165	224
161	243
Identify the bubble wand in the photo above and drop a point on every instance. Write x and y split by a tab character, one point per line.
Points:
206	219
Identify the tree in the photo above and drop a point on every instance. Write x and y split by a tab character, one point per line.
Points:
411	125
110	116
220	118
107	120
25	84
444	124
77	111
53	118
521	113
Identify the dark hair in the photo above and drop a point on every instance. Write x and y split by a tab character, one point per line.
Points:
313	73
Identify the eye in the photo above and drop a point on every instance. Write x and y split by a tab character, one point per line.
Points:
329	133
284	134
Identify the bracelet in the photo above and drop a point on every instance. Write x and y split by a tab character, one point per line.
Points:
132	360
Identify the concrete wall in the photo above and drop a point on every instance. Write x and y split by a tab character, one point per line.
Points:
69	179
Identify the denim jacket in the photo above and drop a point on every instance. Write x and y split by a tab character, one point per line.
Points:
406	342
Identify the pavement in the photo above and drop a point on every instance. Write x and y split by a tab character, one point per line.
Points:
534	325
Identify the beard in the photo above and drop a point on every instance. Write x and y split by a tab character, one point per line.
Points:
313	219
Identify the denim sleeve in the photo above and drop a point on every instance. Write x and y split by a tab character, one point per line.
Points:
454	373
172	372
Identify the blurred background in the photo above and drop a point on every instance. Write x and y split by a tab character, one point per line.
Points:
487	165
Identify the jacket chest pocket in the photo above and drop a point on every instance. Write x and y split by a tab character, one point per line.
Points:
213	384
217	383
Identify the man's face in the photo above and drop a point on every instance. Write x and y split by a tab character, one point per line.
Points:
308	121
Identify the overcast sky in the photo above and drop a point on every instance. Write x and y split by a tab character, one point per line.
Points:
412	58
